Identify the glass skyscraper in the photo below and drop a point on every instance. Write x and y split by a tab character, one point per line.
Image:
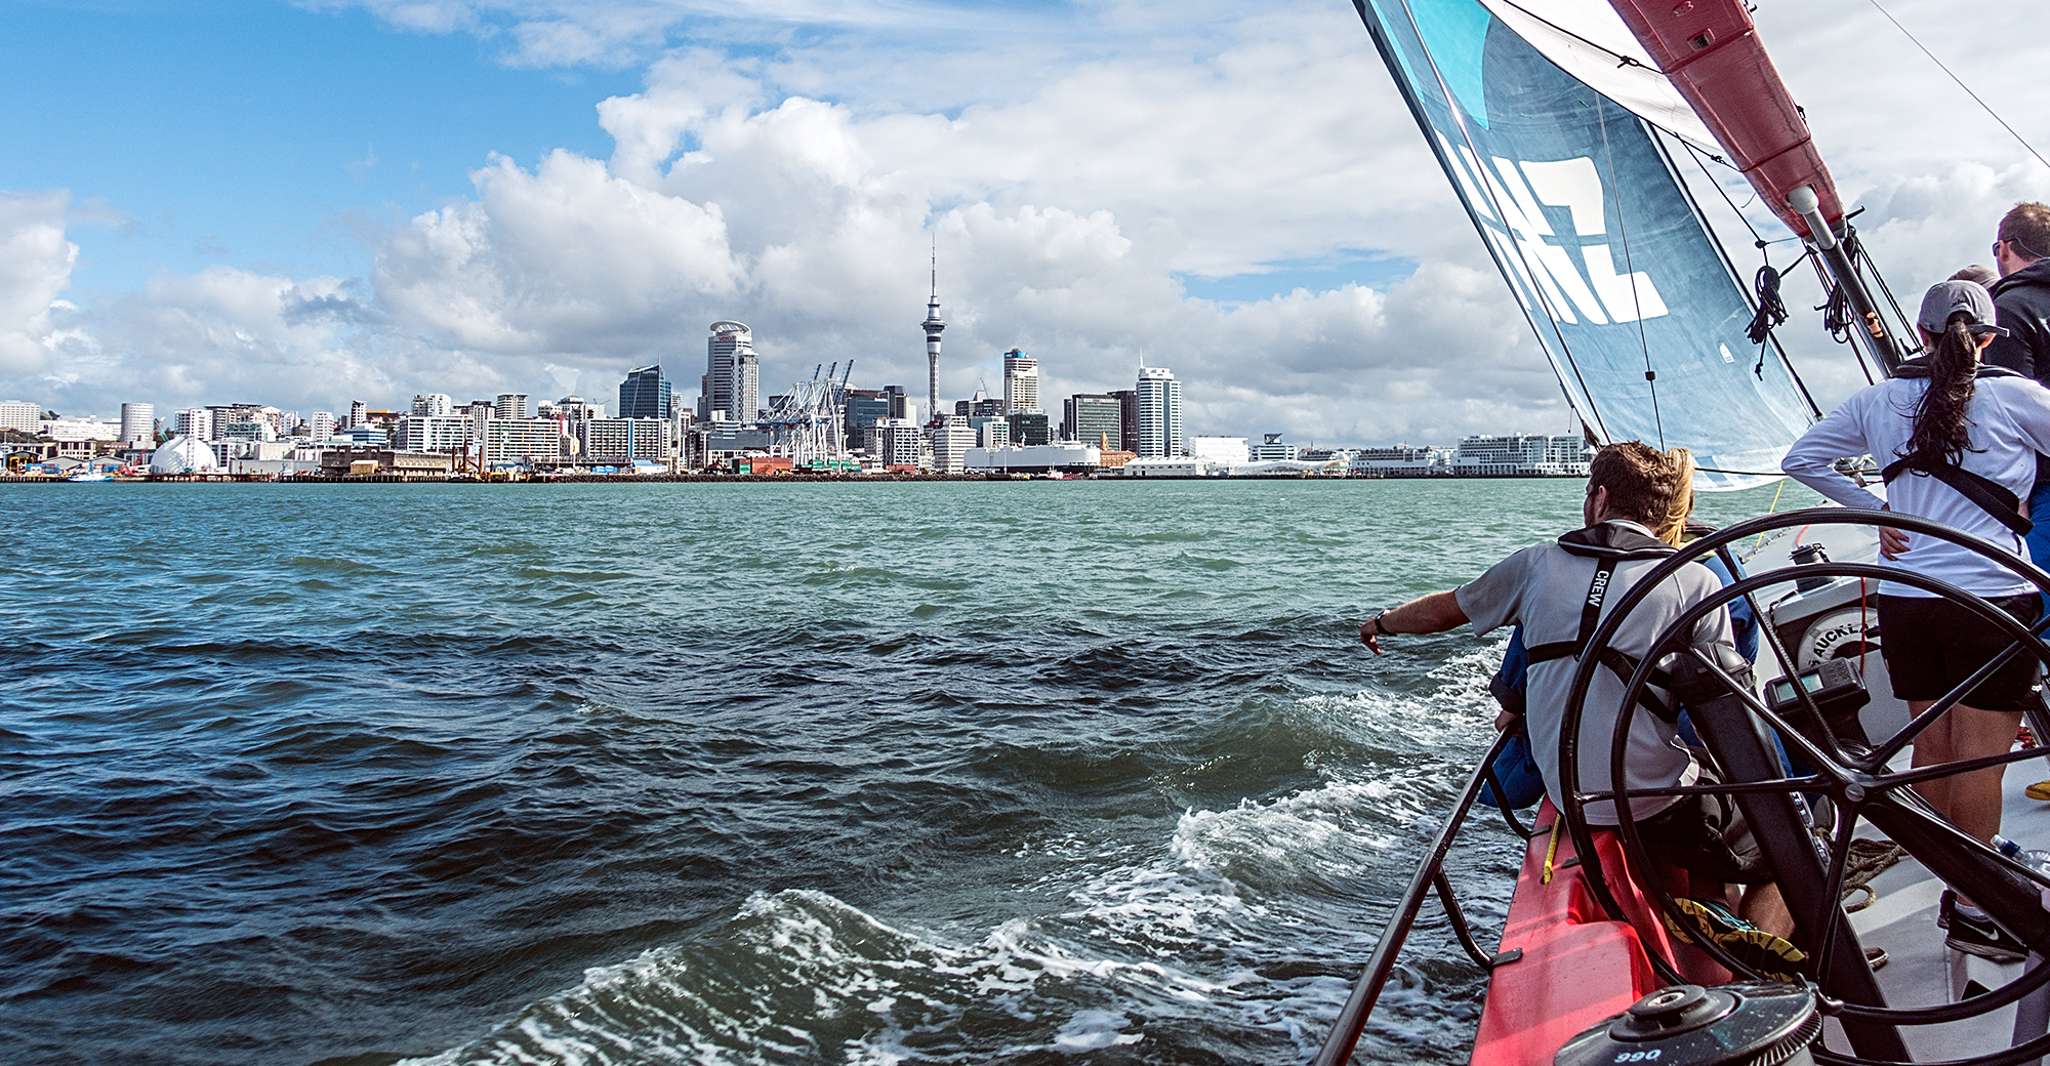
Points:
644	393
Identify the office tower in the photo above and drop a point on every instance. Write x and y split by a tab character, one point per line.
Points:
645	393
934	326
900	401
1021	383
951	437
320	425
1089	418
731	387
21	416
195	422
511	405
1160	413
433	404
1128	418
1028	428
861	409
358	413
138	424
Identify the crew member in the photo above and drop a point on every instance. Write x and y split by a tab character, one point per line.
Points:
1558	592
1961	441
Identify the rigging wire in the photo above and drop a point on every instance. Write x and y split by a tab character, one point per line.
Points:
1651	377
1983	105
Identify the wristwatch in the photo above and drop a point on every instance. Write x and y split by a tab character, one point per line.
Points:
1375	621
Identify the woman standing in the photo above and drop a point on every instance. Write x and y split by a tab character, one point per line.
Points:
1960	443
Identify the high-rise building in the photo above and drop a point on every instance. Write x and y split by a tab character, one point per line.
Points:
20	416
1091	418
196	423
1021	383
861	410
934	326
433	404
511	405
619	441
433	433
358	411
731	387
139	424
900	401
1160	414
899	442
576	408
320	425
1028	428
645	393
1128	417
951	436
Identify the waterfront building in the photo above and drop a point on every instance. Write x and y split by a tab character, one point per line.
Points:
511	405
1160	414
194	422
1021	383
1167	466
1401	460
933	325
363	436
138	424
433	404
733	374
357	409
1035	459
1522	455
899	442
1088	417
991	431
620	441
1220	451
21	416
644	394
433	433
77	430
1272	449
1029	428
526	441
320	425
184	455
952	437
1128	419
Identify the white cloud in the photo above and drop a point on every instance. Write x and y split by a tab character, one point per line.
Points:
1077	164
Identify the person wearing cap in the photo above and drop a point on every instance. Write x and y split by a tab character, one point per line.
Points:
1960	441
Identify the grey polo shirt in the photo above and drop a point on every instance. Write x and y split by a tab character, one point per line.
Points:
1542	588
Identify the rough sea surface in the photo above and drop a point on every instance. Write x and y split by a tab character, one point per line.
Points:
892	773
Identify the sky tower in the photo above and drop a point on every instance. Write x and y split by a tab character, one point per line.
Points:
934	325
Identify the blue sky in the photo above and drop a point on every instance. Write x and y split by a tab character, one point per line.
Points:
262	134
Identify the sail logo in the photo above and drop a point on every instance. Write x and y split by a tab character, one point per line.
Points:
1509	199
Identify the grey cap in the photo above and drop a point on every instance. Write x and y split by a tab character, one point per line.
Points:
1946	298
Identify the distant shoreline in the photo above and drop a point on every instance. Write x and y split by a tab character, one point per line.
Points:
768	479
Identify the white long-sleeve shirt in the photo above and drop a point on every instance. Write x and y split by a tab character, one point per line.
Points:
2009	423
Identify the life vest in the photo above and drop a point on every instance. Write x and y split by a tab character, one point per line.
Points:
1608	544
1987	494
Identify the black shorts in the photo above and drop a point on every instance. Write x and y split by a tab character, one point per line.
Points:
1930	644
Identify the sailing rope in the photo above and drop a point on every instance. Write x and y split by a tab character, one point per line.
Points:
1651	378
1983	105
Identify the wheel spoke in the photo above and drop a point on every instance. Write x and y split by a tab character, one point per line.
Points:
1961	766
1813	783
1839	854
1961	841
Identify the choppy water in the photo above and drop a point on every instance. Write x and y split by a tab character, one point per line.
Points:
898	773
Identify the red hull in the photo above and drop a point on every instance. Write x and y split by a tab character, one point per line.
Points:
1579	966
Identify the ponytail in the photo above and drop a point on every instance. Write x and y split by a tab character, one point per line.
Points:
1942	428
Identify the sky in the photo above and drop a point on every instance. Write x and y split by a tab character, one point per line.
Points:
310	203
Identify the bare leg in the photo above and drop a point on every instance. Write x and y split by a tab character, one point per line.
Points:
1764	908
1932	747
1974	801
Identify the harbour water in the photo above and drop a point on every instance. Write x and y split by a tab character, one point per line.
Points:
991	773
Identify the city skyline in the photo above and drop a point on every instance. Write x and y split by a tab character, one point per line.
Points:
596	203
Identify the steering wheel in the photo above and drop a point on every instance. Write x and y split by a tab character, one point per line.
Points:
1849	769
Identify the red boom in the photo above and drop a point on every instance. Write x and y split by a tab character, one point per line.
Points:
1711	51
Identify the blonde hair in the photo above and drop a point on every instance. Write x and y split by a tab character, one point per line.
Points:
1673	528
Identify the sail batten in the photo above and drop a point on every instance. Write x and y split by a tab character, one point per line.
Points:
1604	252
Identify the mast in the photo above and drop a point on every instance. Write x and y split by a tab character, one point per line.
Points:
1711	52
